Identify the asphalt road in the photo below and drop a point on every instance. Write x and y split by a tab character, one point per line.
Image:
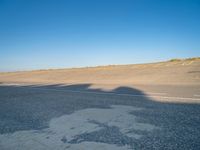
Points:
77	117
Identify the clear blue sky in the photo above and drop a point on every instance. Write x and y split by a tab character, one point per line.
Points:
42	34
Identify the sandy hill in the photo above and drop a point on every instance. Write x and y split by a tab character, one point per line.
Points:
175	71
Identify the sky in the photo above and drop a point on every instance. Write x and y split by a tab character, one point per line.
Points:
44	34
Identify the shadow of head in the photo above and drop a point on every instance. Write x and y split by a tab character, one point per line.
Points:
90	88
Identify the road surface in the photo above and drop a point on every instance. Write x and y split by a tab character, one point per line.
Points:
77	117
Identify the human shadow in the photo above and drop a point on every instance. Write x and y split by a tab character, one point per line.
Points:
31	107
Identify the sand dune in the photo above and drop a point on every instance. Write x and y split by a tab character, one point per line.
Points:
171	72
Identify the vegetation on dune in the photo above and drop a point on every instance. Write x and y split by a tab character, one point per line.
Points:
194	58
176	59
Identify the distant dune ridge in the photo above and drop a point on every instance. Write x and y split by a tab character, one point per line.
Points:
175	71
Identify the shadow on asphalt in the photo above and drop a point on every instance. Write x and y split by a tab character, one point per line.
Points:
32	107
